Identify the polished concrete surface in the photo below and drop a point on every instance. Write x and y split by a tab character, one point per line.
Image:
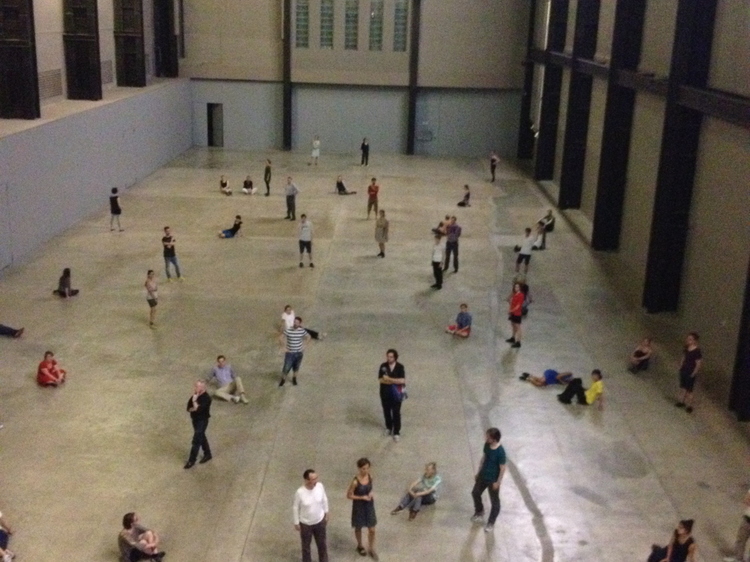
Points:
582	485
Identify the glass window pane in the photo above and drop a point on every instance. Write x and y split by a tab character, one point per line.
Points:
302	24
376	25
351	25
326	24
401	29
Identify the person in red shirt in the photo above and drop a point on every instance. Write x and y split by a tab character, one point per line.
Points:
49	372
372	197
515	313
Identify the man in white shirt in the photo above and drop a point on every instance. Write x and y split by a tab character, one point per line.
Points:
437	262
524	254
305	240
310	513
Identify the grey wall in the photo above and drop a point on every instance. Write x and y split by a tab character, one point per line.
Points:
59	172
343	115
252	113
467	123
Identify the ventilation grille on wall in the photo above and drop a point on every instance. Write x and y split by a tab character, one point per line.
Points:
108	74
50	84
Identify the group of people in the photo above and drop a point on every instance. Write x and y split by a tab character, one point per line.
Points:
449	229
248	188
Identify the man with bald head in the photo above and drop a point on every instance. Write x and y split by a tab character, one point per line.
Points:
199	406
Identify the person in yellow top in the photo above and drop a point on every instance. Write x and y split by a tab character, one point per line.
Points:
595	393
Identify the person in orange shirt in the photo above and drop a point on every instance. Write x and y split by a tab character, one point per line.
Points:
372	197
49	372
515	313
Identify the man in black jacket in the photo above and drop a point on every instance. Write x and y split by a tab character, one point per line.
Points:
199	406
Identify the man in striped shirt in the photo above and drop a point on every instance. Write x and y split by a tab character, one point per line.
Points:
294	339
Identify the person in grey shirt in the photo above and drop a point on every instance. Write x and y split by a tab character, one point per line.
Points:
291	197
305	240
230	385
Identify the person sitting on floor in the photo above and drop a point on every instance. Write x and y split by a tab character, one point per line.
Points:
467	195
11	332
232	232
5	531
224	186
136	542
341	188
585	397
49	372
549	377
423	491
681	547
462	327
641	356
64	289
247	187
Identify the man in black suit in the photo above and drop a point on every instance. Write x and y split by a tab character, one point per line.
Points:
199	406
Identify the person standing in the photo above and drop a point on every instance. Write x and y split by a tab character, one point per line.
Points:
114	211
392	379
524	251
310	515
287	321
452	234
692	360
170	255
743	534
365	148
494	159
294	339
5	532
267	177
291	198
305	231
199	406
381	233
315	154
363	508
515	314
230	385
489	477
152	296
372	197
437	262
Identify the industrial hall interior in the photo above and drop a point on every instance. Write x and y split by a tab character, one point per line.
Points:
397	280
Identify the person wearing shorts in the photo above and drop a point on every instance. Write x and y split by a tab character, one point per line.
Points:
515	314
305	240
524	253
692	359
151	296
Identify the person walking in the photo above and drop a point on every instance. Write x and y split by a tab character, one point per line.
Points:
315	154
489	477
365	148
267	177
199	406
363	508
515	314
230	386
310	515
114	211
291	198
743	534
170	255
372	197
692	360
524	251
392	379
152	296
494	159
437	262
305	231
294	339
381	233
423	491
452	234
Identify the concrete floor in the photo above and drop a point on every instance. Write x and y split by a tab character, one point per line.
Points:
582	485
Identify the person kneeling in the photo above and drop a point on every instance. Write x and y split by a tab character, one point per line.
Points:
136	542
49	372
585	397
232	232
462	327
421	492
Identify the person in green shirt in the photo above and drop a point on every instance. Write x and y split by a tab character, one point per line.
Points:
423	491
490	476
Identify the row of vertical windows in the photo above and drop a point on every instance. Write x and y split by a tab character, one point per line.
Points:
351	24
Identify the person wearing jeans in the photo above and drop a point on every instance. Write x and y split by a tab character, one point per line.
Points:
423	491
310	515
10	332
170	256
294	339
490	476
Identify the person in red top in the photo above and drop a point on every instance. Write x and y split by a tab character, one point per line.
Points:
49	372
515	313
372	197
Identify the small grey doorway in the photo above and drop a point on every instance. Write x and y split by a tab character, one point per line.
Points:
215	120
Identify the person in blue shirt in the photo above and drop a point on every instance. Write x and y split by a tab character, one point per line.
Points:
549	377
462	327
423	491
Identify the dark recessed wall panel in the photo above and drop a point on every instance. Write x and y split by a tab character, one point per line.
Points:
81	44
129	49
19	84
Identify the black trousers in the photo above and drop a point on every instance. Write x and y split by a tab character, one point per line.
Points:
574	388
200	441
317	532
658	554
437	271
392	414
480	486
290	207
451	247
365	158
268	185
492	169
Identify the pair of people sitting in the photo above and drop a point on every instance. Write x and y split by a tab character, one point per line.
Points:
423	491
49	372
462	326
136	542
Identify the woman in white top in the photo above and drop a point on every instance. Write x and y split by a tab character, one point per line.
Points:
152	296
287	321
315	149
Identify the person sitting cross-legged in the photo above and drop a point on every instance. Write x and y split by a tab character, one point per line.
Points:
549	377
585	397
49	372
462	327
641	356
423	491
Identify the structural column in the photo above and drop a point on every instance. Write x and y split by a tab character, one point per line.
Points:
286	133
618	124
739	398
579	107
411	121
691	57
525	133
547	142
19	83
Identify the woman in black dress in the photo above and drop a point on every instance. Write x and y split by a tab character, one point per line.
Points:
681	548
363	508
